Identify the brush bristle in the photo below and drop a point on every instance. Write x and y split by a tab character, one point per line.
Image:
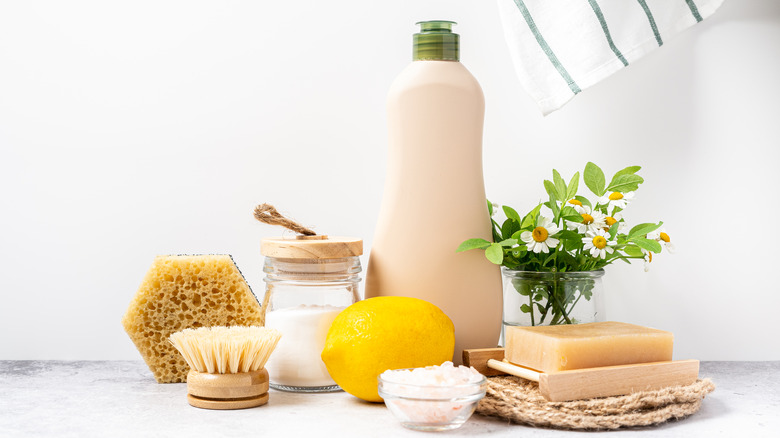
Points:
226	350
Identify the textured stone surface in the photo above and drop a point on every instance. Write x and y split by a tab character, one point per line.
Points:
122	399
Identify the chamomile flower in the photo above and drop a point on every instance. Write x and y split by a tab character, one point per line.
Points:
648	258
591	220
616	200
661	237
598	244
496	207
615	218
540	240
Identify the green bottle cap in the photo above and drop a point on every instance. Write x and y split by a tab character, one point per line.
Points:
436	41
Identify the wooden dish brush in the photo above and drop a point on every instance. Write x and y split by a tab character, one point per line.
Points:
226	365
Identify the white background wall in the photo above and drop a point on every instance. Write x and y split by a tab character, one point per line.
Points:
140	128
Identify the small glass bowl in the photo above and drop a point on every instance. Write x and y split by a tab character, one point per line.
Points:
432	407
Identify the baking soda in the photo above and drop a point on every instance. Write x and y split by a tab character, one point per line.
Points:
296	361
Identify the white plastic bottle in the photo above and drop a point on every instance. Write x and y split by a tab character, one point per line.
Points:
435	195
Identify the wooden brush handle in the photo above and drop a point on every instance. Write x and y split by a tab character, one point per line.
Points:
227	391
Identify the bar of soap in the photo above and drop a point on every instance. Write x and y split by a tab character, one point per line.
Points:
186	291
570	347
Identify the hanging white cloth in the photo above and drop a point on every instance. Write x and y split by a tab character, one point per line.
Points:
561	47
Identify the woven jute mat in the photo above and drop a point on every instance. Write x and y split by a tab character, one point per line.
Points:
519	400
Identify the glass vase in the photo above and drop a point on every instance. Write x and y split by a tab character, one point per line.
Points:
552	298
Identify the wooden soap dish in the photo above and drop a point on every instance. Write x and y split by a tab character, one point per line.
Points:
588	382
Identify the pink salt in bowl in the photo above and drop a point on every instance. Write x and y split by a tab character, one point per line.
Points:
443	403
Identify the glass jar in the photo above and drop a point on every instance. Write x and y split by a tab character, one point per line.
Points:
309	280
552	298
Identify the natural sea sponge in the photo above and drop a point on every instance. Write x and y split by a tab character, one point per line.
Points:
186	291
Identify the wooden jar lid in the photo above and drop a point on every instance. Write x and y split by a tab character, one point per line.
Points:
311	247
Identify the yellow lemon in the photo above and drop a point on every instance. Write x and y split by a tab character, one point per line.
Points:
384	333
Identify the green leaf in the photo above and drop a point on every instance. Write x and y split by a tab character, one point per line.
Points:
633	251
625	183
574	185
530	219
571	239
473	244
569	211
643	229
570	214
496	230
525	308
594	178
495	253
511	213
650	245
490	207
613	230
627	171
549	187
569	235
508	242
509	228
553	205
560	186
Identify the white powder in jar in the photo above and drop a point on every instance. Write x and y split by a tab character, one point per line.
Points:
296	361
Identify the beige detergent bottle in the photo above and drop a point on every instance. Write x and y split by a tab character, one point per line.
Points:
434	195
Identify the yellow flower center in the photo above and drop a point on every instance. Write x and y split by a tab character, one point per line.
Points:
599	242
614	196
587	219
649	257
665	237
575	202
539	234
610	220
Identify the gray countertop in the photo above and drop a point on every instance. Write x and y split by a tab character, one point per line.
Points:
121	398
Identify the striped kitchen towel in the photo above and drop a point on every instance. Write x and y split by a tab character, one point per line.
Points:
561	47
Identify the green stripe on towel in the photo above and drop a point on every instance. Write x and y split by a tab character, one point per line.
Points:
650	18
600	16
694	10
546	47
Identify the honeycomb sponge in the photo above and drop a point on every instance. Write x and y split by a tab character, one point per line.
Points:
186	291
